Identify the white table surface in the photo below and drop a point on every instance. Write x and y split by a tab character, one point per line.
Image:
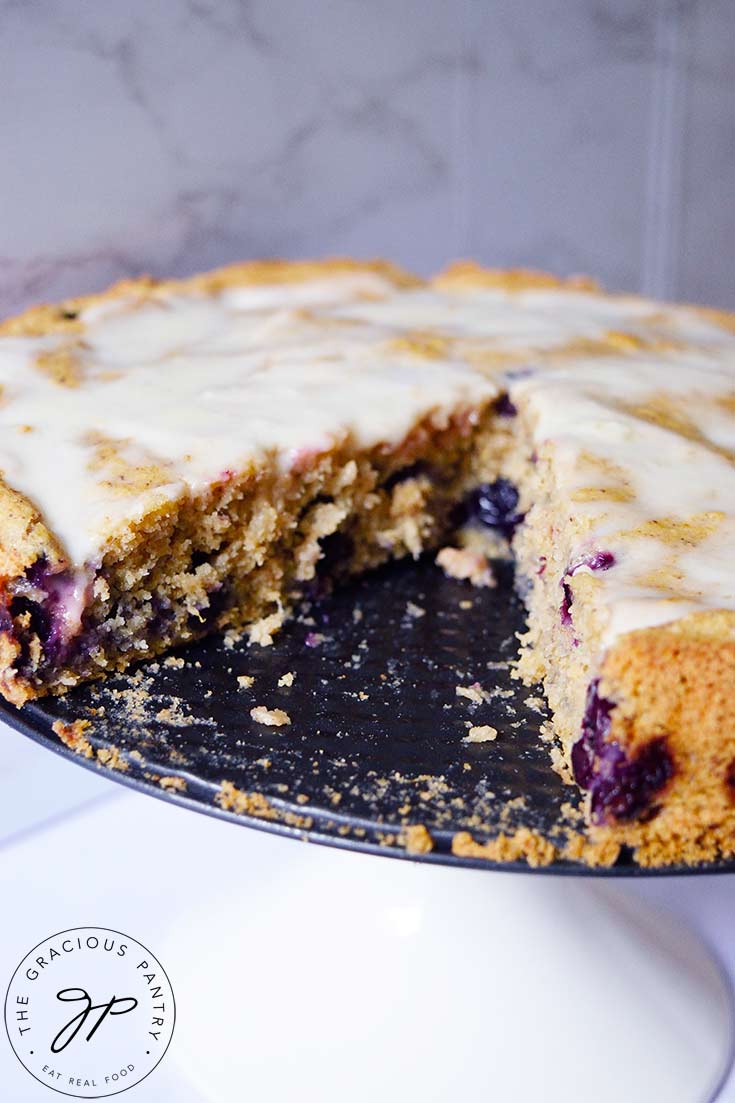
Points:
54	875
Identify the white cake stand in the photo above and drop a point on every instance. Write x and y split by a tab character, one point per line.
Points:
330	976
304	973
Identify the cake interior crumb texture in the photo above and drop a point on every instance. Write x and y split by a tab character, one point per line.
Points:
189	456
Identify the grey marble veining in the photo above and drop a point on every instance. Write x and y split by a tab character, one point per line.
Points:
171	135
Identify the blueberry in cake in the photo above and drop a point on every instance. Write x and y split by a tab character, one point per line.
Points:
193	455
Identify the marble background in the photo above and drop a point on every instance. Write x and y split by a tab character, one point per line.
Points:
169	135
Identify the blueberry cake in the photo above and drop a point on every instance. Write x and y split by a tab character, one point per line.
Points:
179	457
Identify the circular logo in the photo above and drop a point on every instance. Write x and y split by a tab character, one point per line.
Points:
89	1012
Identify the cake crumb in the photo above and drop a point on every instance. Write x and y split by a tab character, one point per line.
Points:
174	661
417	839
465	604
245	681
414	611
72	736
546	732
593	853
522	844
262	630
481	733
178	784
571	812
174	714
466	565
287	679
560	766
357	614
271	718
101	588
474	693
232	799
362	695
112	758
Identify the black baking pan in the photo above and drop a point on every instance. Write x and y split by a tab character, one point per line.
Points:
377	733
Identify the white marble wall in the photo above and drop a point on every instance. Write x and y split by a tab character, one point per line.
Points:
169	135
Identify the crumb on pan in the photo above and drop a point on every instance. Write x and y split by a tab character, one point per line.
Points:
271	718
245	681
474	693
232	799
176	783
466	565
286	679
523	844
481	733
262	630
417	839
112	758
72	736
579	848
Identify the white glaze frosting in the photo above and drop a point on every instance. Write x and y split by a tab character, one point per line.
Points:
669	518
199	385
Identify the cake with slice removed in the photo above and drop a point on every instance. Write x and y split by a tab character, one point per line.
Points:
194	455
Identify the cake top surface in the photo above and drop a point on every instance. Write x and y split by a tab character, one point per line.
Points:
110	404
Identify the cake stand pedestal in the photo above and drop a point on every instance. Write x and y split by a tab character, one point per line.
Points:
323	975
305	973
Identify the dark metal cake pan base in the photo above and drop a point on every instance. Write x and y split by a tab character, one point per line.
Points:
377	729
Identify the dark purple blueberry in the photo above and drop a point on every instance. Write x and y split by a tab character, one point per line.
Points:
625	787
37	574
495	505
504	407
6	620
565	609
595	561
621	788
47	617
595	729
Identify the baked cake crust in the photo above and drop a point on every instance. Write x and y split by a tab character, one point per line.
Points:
554	412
